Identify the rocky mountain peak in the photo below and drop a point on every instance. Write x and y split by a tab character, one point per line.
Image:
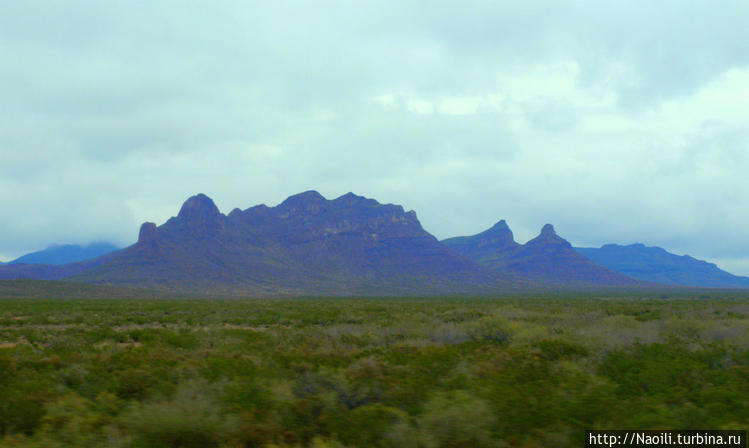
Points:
353	200
147	232
304	198
500	230
308	202
198	208
548	236
501	226
498	235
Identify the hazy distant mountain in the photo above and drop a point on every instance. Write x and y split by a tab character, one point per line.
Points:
39	271
657	265
306	245
67	253
92	255
547	258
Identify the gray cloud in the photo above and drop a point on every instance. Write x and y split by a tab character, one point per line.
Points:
618	123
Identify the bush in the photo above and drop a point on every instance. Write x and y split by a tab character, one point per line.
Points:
489	329
190	420
364	425
456	420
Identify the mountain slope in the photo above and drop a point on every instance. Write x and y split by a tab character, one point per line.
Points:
67	253
547	258
657	265
305	245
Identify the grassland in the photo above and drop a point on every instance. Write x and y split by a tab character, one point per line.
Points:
366	372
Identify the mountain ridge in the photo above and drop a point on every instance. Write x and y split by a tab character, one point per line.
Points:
546	258
307	244
655	264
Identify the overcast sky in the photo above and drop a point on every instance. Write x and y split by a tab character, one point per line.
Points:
618	121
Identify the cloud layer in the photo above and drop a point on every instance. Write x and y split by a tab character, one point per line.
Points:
618	123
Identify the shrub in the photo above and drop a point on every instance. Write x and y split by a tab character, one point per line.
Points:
190	420
555	349
364	425
72	421
457	420
489	329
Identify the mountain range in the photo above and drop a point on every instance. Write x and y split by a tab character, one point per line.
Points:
548	258
306	245
309	245
655	264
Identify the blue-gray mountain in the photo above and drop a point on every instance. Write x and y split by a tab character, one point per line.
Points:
66	253
655	264
548	258
307	245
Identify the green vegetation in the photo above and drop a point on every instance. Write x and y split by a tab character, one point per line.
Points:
366	372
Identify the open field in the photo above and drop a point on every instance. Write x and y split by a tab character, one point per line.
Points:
367	372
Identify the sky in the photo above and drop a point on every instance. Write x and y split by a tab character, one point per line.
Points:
618	122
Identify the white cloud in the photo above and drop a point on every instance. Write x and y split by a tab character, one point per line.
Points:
419	106
459	106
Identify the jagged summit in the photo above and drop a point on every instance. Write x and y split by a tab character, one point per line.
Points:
499	235
351	200
198	218
306	197
199	206
548	236
499	227
308	202
349	197
147	232
488	247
